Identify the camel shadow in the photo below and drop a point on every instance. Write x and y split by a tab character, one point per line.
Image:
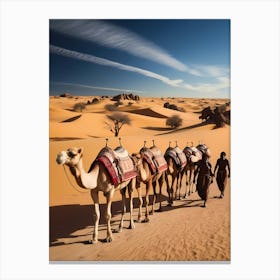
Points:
182	203
65	220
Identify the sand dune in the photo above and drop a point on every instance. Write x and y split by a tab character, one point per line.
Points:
183	232
147	112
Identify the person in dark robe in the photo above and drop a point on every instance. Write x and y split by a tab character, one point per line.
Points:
223	172
204	179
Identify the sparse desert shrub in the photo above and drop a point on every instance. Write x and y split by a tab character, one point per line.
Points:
166	105
118	120
174	121
130	103
119	103
79	107
219	116
95	100
111	107
66	95
207	114
219	119
173	107
221	108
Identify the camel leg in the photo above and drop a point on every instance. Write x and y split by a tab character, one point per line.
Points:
140	203
154	197
161	180
173	189
109	196
180	184
123	209
148	188
190	182
130	192
187	184
168	190
193	185
176	186
95	198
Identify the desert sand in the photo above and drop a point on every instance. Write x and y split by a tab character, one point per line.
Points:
183	232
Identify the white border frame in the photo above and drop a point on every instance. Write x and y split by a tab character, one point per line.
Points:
24	131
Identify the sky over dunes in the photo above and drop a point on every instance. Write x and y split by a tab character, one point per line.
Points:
188	58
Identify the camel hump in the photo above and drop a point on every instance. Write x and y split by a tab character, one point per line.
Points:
156	151
196	155
188	151
118	163
106	151
155	159
177	155
121	152
203	149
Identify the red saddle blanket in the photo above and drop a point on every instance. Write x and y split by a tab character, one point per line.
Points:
177	155
118	163
155	159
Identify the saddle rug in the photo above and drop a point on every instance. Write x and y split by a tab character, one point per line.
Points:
155	159
118	163
204	149
177	155
193	154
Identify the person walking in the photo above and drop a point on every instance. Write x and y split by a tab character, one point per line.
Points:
223	173
204	179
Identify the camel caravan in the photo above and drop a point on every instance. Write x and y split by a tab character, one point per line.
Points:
115	169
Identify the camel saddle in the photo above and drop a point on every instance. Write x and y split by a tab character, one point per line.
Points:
154	158
118	163
177	155
193	154
203	149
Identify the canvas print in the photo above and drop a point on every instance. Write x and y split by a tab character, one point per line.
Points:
139	140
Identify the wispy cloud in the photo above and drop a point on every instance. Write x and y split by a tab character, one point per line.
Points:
212	70
222	82
93	87
106	62
116	37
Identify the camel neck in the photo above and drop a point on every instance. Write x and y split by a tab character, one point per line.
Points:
84	179
143	172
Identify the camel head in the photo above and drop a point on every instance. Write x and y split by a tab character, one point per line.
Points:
137	159
71	157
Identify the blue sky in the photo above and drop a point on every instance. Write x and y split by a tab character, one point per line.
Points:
186	58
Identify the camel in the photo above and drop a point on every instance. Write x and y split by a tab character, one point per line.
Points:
193	155
96	180
176	172
145	176
189	171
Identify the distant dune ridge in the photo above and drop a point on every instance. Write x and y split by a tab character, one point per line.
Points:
201	234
